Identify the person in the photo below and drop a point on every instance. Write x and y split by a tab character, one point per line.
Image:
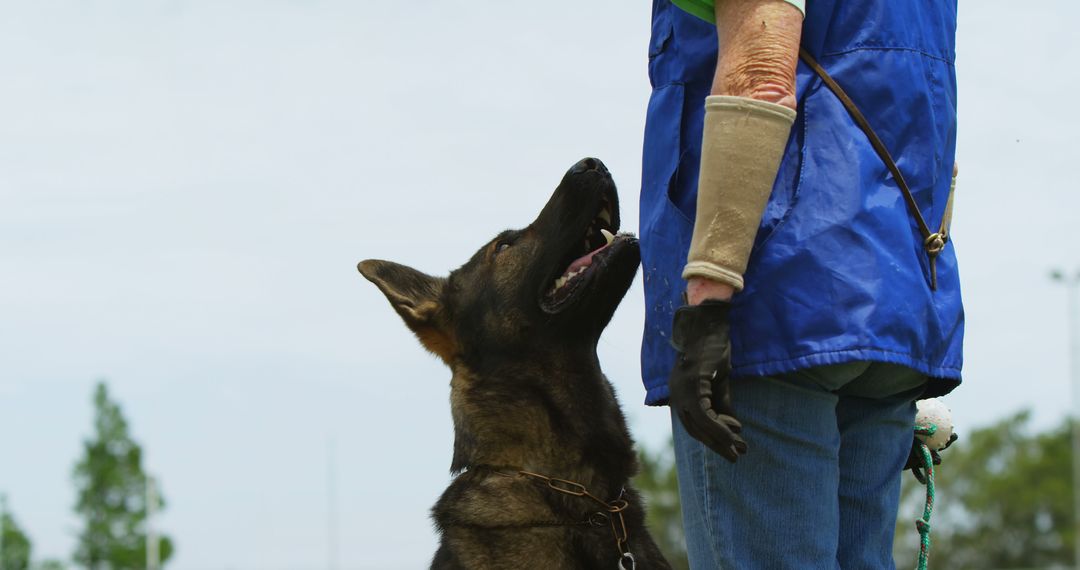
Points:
794	311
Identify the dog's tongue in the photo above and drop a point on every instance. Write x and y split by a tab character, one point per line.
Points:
584	260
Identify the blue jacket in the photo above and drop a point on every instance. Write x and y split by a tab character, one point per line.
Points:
838	272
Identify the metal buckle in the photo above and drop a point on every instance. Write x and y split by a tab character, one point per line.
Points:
934	243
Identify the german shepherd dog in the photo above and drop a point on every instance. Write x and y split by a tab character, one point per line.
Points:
542	455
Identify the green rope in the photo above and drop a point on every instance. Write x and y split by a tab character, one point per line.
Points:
923	524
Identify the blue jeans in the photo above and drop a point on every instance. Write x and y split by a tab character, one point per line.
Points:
820	485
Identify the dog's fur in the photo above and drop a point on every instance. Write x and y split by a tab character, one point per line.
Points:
527	392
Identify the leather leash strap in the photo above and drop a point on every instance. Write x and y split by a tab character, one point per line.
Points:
933	242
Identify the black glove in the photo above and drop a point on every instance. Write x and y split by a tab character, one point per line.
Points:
915	460
700	394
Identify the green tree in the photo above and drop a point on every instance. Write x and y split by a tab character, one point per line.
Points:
1003	500
111	490
660	487
14	544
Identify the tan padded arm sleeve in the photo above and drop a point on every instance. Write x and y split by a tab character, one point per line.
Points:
744	140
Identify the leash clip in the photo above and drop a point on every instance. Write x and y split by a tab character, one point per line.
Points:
627	562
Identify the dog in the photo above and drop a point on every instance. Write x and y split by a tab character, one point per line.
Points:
542	455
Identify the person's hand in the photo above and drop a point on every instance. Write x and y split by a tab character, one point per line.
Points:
699	386
915	460
700	289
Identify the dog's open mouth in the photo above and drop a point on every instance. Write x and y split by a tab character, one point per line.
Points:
585	260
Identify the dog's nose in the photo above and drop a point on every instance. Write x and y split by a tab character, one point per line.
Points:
587	164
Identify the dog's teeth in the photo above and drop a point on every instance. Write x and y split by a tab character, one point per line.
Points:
560	282
607	235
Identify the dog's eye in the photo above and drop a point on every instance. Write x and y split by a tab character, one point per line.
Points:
502	245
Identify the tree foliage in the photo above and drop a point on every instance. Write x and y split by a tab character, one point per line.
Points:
111	487
660	487
1003	500
14	544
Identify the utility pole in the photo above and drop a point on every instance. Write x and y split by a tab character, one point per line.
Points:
1072	285
153	558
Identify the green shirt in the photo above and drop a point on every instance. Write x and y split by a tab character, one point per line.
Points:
705	9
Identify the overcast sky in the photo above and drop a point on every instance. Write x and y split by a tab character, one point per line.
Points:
186	187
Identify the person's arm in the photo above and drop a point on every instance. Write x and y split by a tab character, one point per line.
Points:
758	50
748	121
758	53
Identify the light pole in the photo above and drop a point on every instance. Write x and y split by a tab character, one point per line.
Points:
331	505
1072	285
3	518
153	558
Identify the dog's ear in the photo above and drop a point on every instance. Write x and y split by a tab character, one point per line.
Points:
416	296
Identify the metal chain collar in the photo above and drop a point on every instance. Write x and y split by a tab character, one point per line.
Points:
613	510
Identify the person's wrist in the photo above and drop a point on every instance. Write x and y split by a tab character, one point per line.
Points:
700	289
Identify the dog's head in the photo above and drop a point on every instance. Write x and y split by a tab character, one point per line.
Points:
551	286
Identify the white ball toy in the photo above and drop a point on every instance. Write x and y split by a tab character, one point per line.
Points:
934	411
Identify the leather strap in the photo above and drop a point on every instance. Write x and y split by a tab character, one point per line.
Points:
933	242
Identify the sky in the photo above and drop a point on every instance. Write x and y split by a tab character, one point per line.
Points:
186	187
